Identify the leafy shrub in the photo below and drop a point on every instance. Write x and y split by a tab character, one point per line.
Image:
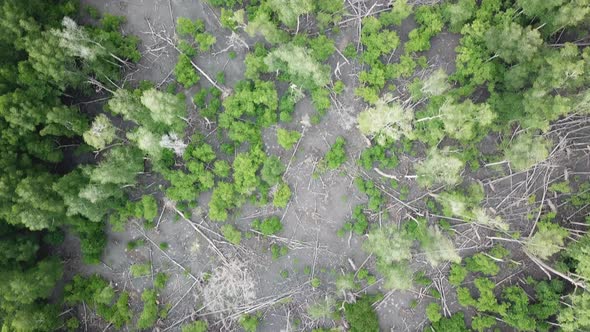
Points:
249	322
149	314
336	156
140	270
433	311
361	316
196	326
268	226
287	138
231	234
282	195
185	73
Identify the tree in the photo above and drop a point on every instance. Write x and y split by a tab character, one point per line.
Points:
439	168
300	66
436	84
526	151
262	24
282	195
400	10
438	248
336	156
268	226
223	199
120	166
547	241
101	133
361	316
389	245
231	234
185	73
165	108
464	121
147	141
287	138
457	14
149	314
386	121
576	317
272	170
513	43
290	10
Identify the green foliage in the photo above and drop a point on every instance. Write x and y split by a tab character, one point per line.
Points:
547	241
457	14
464	121
101	133
231	234
278	251
430	23
249	322
160	280
439	168
368	187
328	12
576	317
455	323
223	199
268	226
483	263
282	195
361	316
96	292
205	41
196	326
324	308
287	138
438	248
256	100
185	73
149	314
290	10
336	156
400	10
272	170
513	43
457	274
300	66
386	121
186	27
526	151
140	270
433	311
263	25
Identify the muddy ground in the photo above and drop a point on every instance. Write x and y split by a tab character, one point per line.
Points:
319	207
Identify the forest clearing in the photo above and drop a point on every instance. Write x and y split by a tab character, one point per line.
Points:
295	165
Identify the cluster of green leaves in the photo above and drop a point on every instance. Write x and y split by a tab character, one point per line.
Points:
514	306
252	106
149	314
358	224
430	23
146	209
393	249
336	155
184	71
376	199
100	295
268	226
361	316
208	102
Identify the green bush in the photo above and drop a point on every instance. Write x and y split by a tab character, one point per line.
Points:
361	316
287	138
149	314
231	234
268	226
336	156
